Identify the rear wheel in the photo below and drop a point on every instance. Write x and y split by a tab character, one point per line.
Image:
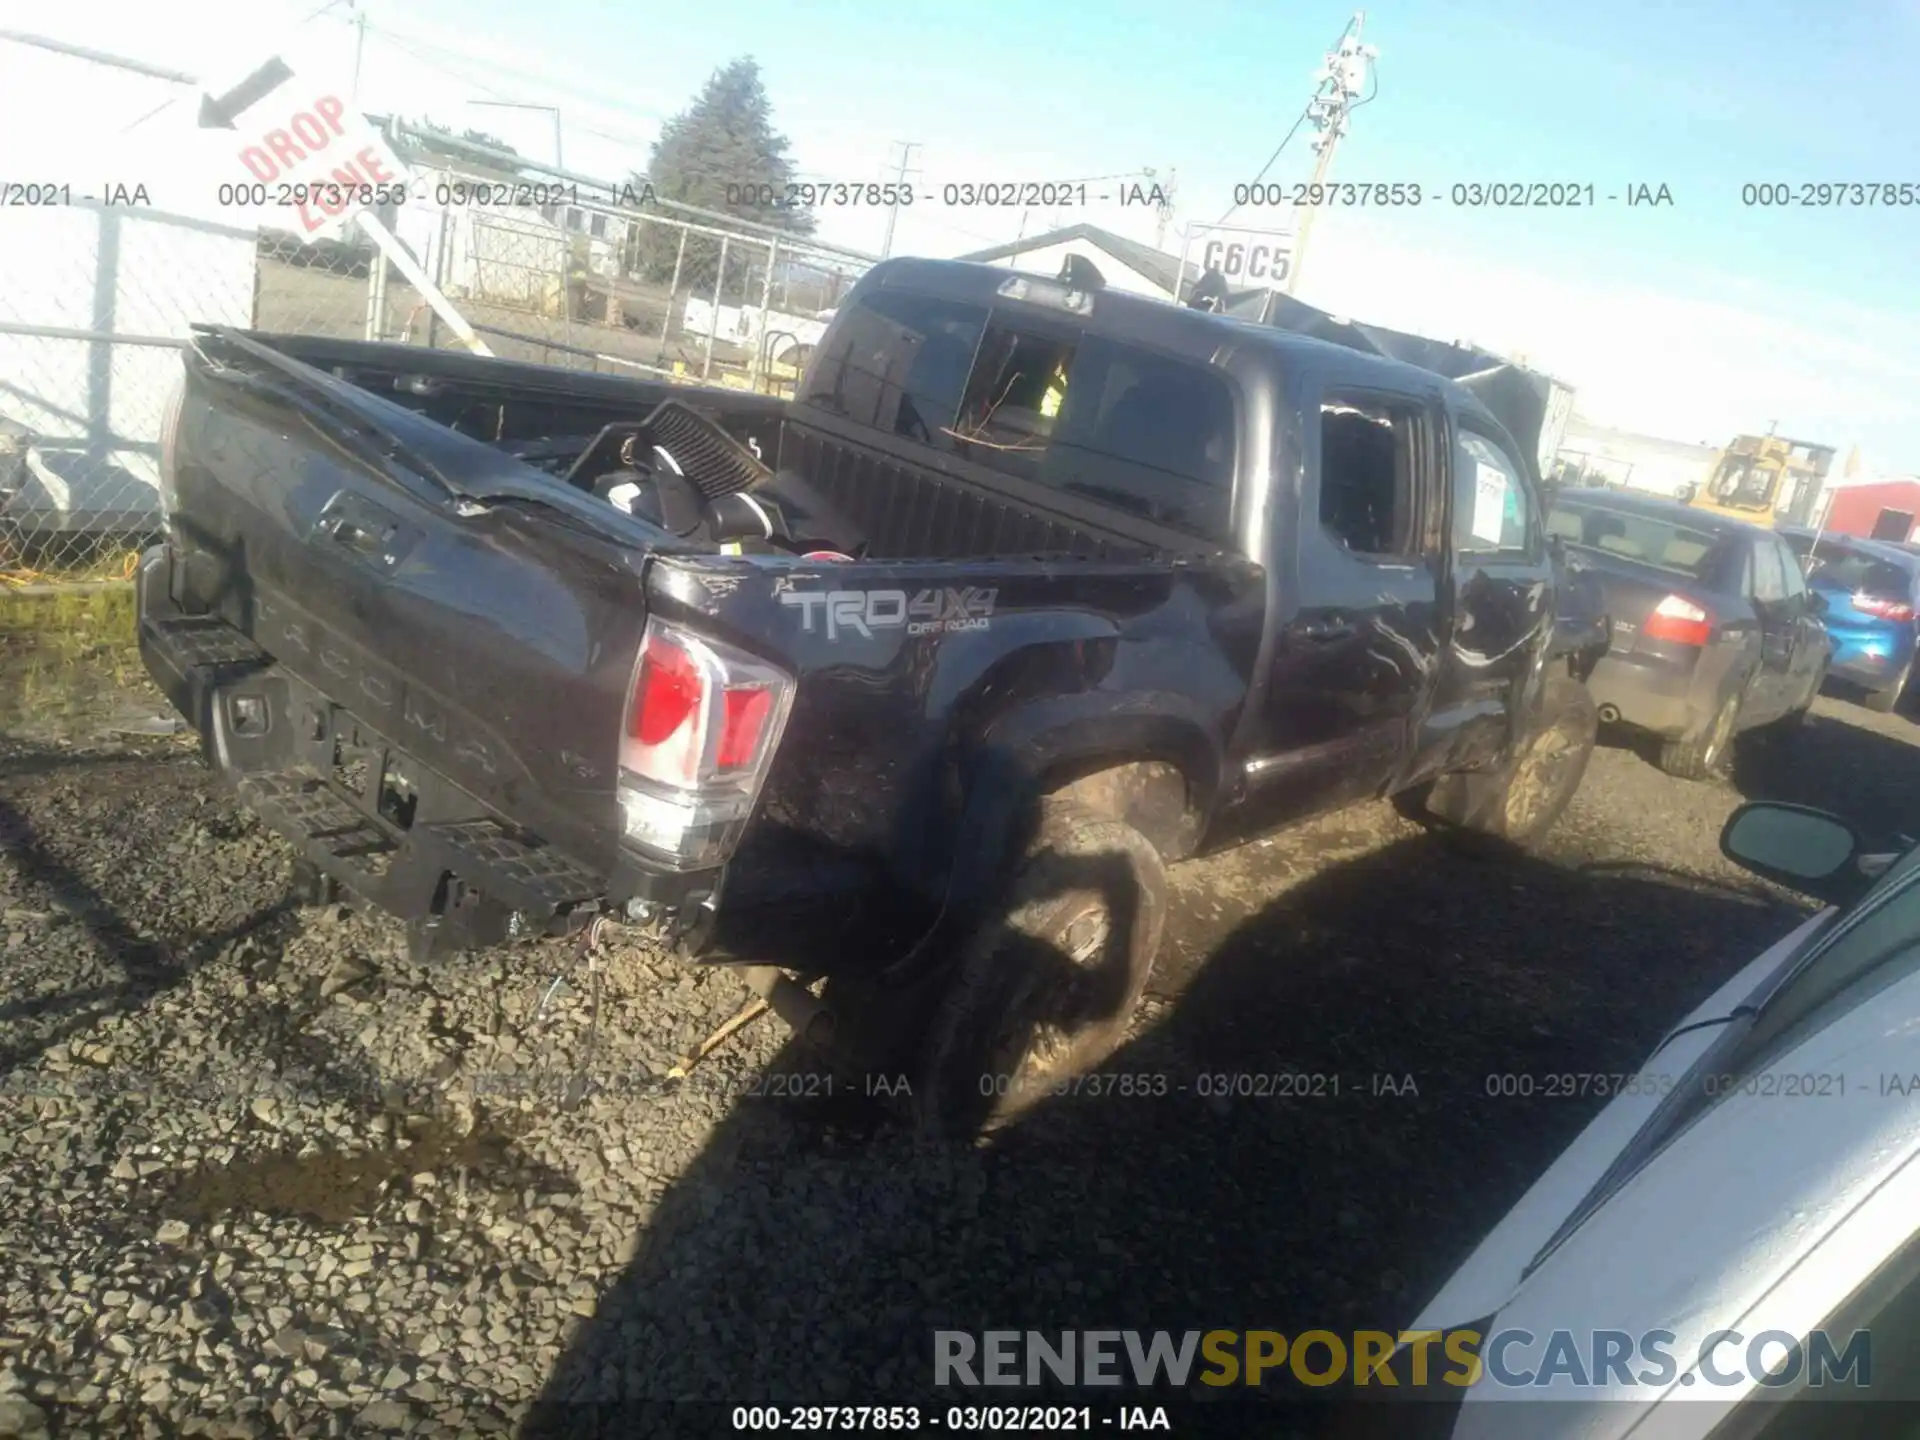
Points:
1703	754
1045	988
1886	701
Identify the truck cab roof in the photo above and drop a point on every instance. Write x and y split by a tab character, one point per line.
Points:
1259	353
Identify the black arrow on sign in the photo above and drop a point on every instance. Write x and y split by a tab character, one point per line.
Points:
220	114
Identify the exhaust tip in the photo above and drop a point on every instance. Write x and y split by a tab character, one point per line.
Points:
1609	714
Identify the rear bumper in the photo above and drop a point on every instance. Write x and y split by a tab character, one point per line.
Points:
1869	658
455	872
272	737
1665	696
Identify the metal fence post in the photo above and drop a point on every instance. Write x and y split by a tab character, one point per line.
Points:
762	361
673	293
377	297
713	321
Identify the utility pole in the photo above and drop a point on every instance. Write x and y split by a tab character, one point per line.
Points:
1342	78
900	177
1163	209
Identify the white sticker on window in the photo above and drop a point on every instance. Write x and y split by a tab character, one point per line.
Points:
1489	503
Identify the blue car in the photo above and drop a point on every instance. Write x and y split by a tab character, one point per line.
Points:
1872	594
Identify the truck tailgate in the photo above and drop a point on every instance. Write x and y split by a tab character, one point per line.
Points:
437	678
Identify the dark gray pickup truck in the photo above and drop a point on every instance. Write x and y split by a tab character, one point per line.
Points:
914	683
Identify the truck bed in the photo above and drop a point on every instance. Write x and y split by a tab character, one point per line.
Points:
908	504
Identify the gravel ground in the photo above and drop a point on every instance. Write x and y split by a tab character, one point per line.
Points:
256	1168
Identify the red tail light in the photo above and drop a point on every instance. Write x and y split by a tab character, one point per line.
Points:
1882	609
703	722
1680	621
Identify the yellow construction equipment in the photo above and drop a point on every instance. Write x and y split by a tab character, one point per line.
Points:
1764	478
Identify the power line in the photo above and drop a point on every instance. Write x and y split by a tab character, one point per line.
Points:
907	147
1338	41
417	47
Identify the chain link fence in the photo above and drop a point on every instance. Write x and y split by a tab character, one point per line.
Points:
546	265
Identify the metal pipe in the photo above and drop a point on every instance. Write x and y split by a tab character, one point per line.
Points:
713	321
766	303
65	332
98	57
673	296
809	1018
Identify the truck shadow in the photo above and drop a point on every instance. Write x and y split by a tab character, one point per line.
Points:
1830	757
1310	1130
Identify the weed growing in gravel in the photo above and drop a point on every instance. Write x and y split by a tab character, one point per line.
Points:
68	663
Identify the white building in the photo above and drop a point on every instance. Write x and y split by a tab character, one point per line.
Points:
99	288
1597	454
1126	264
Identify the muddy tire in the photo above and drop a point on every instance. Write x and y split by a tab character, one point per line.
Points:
1703	755
1044	988
1515	803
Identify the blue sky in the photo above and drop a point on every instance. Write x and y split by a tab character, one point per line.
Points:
1694	320
1702	99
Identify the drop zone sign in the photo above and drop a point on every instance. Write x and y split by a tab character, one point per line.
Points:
298	149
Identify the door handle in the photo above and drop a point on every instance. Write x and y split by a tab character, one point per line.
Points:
1321	632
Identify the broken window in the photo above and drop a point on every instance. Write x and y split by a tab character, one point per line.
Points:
1013	402
1366	475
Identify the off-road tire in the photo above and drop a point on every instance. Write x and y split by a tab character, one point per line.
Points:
1515	803
1044	988
1885	702
1703	754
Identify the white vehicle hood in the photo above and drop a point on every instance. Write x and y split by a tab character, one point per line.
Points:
1492	1274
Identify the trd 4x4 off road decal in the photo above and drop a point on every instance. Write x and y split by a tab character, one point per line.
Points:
862	612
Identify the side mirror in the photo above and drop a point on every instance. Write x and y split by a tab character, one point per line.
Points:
1801	848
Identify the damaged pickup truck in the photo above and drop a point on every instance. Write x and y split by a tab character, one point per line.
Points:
913	685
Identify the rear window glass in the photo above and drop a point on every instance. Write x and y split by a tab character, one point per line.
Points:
1645	539
898	362
1860	574
1148	435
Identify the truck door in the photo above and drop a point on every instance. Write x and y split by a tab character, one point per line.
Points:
1355	650
1499	599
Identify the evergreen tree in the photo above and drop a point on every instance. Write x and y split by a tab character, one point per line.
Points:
720	153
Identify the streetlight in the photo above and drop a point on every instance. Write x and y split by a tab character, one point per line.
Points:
552	110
